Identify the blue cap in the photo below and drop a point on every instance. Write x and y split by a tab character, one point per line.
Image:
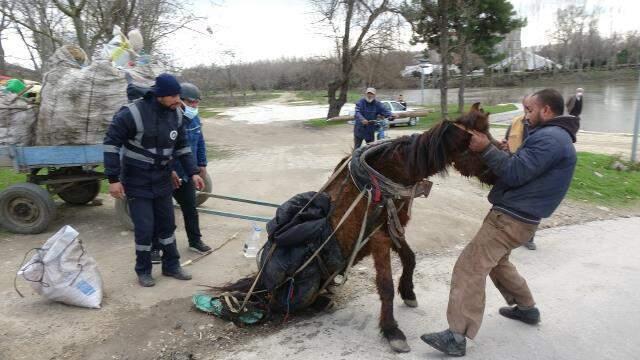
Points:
166	85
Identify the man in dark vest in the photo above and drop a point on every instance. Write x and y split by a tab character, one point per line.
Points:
150	134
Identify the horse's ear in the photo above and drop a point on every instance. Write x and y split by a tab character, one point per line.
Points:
475	107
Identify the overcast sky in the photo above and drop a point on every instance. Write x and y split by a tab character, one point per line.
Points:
259	29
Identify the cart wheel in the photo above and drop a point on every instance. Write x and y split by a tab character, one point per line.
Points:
26	209
81	193
122	213
413	121
208	187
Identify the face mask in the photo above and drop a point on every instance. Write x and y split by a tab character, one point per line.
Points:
369	100
190	112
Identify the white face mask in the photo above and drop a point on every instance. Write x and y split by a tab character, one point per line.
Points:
190	112
370	100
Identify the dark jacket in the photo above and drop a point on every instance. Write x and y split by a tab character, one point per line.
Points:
198	146
141	156
533	181
574	105
368	111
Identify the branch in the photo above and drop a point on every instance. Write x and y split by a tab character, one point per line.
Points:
35	30
374	15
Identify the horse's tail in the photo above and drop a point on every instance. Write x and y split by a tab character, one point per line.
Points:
243	285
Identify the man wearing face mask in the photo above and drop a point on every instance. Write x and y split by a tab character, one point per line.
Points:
150	134
531	184
367	111
185	191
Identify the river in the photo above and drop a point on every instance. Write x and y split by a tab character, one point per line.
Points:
608	107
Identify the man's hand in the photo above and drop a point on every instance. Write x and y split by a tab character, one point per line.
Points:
504	145
116	190
364	122
395	116
175	179
479	142
198	182
203	171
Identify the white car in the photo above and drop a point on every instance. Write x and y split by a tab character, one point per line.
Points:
393	106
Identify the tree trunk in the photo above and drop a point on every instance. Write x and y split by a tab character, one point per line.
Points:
444	54
3	63
336	103
463	77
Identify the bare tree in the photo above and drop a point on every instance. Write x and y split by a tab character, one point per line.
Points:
359	26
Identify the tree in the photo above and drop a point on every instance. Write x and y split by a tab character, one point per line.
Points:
480	26
461	27
359	26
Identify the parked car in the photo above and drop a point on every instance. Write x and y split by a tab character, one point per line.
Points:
393	106
396	107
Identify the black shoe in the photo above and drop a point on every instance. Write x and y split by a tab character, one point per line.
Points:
530	245
145	280
445	342
155	256
178	273
531	316
199	247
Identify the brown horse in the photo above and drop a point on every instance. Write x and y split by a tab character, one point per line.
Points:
407	161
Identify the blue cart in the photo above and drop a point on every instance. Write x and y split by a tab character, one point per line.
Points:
67	171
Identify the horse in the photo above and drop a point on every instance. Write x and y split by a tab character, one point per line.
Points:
406	161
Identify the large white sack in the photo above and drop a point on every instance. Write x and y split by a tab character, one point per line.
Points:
63	271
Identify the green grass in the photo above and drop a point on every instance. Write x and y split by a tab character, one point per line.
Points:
436	115
614	188
10	177
238	99
425	122
320	96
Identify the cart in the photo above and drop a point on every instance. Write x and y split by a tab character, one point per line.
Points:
68	171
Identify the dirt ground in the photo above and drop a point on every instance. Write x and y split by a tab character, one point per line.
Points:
271	162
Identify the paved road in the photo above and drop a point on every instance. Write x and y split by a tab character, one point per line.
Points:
586	279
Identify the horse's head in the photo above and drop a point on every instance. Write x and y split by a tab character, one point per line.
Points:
467	162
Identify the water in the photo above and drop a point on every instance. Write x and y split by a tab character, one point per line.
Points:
608	106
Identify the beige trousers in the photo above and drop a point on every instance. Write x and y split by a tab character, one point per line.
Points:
487	254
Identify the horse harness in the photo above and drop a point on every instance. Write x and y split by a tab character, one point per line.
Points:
379	191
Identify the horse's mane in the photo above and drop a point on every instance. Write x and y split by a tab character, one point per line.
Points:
422	154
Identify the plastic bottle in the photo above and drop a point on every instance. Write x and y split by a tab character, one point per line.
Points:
253	242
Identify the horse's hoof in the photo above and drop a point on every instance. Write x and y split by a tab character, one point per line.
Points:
411	303
399	346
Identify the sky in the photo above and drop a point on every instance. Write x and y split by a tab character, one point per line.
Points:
271	29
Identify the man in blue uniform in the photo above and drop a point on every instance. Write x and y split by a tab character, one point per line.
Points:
149	134
367	111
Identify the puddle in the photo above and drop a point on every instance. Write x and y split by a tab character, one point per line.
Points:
264	114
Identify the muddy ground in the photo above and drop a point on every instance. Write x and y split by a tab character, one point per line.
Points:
271	162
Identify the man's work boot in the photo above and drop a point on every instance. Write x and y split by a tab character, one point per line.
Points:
179	273
445	342
530	245
199	247
155	256
529	316
145	280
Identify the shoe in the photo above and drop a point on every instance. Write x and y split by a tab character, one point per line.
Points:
531	316
445	342
199	247
179	273
145	280
155	256
530	245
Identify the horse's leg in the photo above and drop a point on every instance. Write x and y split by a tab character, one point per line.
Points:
381	252
405	287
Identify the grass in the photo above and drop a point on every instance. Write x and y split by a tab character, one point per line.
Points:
436	115
10	177
612	188
425	122
320	96
238	99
